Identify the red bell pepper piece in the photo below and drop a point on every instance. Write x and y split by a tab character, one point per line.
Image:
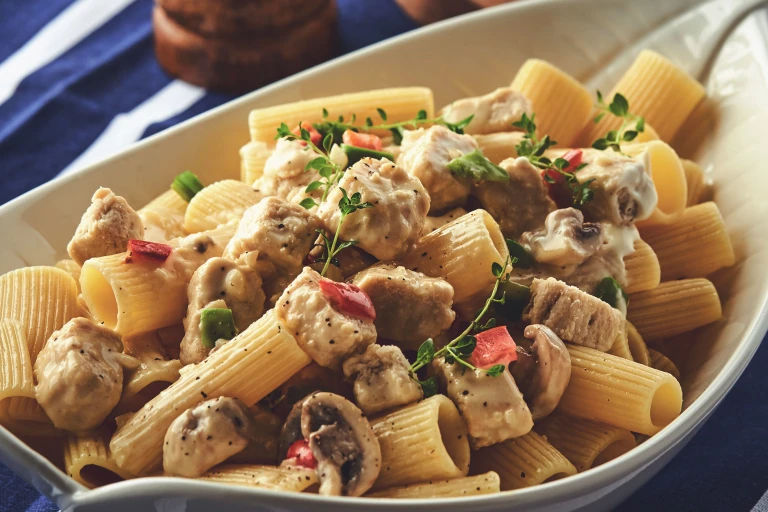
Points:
348	299
362	140
301	454
143	251
494	346
315	136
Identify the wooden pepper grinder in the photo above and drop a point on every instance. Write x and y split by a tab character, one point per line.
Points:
239	45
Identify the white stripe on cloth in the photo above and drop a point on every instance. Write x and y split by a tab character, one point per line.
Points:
127	128
67	29
762	505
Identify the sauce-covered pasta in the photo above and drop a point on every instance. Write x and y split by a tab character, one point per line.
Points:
394	301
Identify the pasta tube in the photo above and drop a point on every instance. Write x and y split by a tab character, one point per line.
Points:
695	245
423	442
673	308
400	104
154	373
87	459
561	104
585	443
642	268
265	350
15	365
698	188
497	147
622	393
663	363
657	90
668	178
290	479
637	346
41	299
71	268
620	346
253	156
218	204
487	483
523	462
462	252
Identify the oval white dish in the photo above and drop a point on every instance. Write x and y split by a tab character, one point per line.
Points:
591	39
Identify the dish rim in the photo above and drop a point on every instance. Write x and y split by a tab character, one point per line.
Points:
613	472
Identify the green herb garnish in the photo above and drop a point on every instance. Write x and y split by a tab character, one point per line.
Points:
477	167
329	171
216	324
533	148
609	290
630	127
524	258
187	185
347	205
460	348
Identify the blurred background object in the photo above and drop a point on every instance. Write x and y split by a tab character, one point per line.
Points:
430	11
239	45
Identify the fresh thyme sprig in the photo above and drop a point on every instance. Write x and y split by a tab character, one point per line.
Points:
337	128
533	148
329	171
347	206
631	125
461	347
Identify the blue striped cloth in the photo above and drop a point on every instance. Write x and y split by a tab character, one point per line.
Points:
61	108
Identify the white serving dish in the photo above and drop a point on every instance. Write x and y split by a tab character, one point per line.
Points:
464	56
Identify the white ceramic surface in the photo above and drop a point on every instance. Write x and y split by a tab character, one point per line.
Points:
592	39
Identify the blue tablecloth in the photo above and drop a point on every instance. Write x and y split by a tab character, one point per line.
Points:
60	109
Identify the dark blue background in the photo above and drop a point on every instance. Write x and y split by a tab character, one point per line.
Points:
58	111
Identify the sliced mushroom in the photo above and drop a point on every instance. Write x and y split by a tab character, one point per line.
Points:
565	239
542	373
341	439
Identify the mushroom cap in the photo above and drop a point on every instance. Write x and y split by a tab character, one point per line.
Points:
565	239
341	439
546	371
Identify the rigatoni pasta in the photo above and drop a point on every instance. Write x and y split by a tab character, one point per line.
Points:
586	444
487	483
673	308
399	103
421	443
523	461
622	393
700	231
217	340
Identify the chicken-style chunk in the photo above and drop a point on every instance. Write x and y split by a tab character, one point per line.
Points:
623	189
330	321
572	314
220	283
565	239
79	375
410	306
274	236
520	204
493	112
205	435
425	155
105	228
285	173
381	379
400	204
492	407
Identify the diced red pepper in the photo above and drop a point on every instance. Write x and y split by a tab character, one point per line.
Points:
315	136
362	140
301	455
559	191
348	299
494	346
143	251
